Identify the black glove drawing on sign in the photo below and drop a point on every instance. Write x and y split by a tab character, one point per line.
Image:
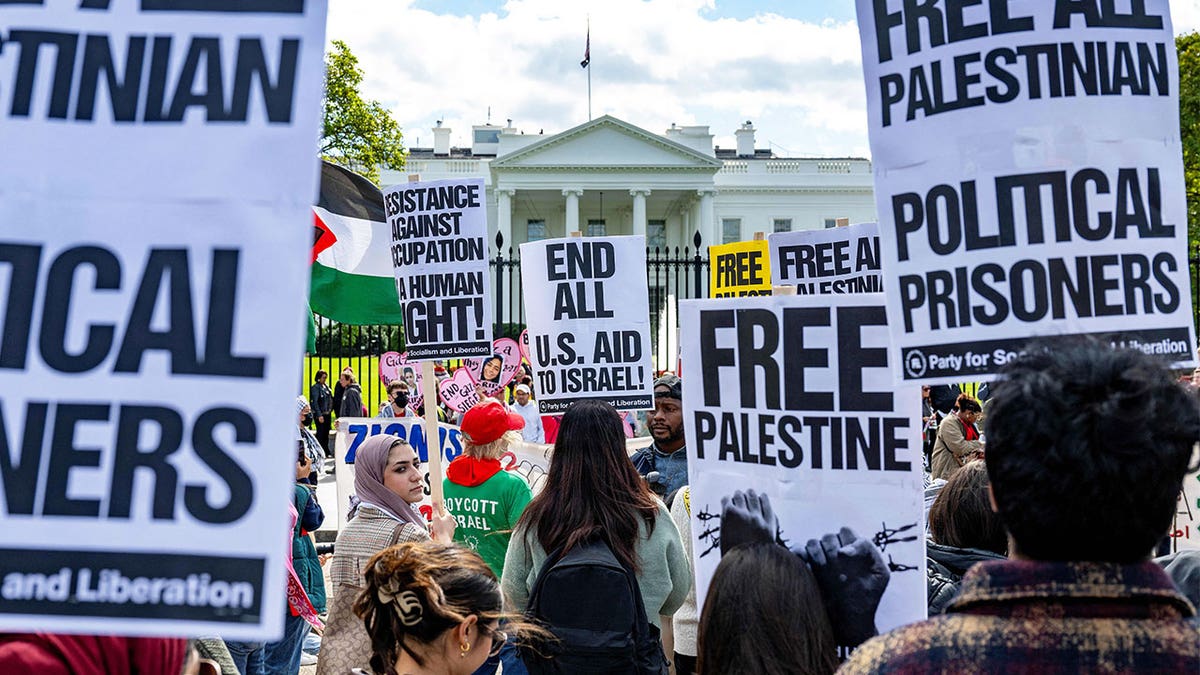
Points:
852	576
747	518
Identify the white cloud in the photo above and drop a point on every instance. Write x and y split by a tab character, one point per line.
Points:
654	62
1185	15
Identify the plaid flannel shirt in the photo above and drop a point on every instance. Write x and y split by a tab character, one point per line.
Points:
1043	617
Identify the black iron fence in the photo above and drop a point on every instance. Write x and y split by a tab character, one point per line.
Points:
672	274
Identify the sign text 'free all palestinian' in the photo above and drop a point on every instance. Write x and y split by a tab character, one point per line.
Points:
793	397
586	300
152	296
833	260
1029	178
439	255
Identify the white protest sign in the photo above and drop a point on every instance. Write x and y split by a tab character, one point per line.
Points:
530	461
439	255
1028	179
832	260
793	397
586	300
153	268
1185	533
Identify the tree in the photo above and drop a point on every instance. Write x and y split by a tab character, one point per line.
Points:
358	134
1188	46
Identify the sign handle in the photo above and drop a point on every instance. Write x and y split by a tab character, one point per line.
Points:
433	440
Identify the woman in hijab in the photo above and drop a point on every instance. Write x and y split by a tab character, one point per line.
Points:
388	481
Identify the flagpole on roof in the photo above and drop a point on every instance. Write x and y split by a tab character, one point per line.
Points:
586	63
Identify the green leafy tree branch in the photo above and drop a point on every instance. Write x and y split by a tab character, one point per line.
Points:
356	133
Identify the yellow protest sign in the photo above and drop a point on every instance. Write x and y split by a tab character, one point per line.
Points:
738	269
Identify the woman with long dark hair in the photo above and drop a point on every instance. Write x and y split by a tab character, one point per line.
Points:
764	614
964	530
593	492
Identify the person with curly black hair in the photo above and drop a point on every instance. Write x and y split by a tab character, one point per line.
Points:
430	607
1087	450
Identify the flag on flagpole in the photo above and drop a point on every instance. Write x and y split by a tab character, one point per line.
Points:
352	280
587	50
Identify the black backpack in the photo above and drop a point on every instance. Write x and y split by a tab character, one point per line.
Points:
593	605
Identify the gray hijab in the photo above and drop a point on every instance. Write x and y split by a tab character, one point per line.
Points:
369	464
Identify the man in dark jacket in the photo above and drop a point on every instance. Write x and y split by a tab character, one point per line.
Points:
664	463
1077	433
320	399
352	405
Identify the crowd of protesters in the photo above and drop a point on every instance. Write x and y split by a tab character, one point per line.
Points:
1046	504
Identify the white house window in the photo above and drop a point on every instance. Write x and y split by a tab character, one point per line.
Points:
596	228
487	135
781	225
535	230
731	230
656	234
830	223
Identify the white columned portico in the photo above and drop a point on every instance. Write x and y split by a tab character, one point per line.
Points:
707	229
572	222
504	214
639	210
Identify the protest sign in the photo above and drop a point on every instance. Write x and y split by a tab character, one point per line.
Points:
793	396
396	366
494	373
1184	534
739	269
530	461
586	300
833	260
1028	179
154	240
439	254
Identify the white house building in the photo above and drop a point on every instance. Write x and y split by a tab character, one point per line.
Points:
608	176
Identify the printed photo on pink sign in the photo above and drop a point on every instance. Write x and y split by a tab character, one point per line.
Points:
496	371
395	366
458	391
410	372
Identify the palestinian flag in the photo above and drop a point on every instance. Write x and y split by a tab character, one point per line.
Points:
352	279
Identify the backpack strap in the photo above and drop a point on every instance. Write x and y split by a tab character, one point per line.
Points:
535	592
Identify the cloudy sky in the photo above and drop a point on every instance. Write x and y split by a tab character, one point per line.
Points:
792	67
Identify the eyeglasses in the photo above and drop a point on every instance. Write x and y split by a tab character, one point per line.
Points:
499	637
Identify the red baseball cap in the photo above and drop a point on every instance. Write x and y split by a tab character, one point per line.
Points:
488	421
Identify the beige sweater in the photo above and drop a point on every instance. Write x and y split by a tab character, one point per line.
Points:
686	621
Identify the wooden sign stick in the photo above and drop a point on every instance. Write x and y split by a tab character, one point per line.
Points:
433	437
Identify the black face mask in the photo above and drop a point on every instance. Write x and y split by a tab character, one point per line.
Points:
401	399
308	418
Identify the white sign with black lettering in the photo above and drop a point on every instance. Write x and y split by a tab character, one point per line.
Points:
153	272
439	255
586	300
832	260
793	397
1028	179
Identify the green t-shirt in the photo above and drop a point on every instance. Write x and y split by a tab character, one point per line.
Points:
487	513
